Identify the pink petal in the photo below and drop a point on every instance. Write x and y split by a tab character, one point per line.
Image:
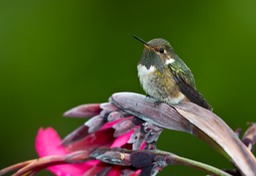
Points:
94	169
122	140
143	145
136	173
102	138
115	171
71	169
111	124
48	143
123	127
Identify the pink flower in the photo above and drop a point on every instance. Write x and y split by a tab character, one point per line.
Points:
109	128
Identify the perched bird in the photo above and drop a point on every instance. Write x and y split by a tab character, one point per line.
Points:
165	77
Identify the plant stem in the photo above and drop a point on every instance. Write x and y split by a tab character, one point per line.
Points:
175	159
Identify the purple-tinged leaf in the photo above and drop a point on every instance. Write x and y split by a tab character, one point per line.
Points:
104	114
191	118
220	133
114	116
153	137
87	110
76	135
163	115
153	132
112	156
137	139
150	128
123	127
94	123
108	106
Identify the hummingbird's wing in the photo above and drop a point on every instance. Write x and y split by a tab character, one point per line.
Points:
185	81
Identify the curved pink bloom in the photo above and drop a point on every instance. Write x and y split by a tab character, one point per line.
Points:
48	143
109	128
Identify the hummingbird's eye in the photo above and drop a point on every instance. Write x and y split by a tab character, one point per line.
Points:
161	50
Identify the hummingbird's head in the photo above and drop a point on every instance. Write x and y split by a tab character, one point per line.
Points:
157	52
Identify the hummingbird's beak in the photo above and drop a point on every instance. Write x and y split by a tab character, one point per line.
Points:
141	40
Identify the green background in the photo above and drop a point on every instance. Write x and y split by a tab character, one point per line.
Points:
55	55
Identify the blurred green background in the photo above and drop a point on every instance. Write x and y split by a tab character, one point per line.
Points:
55	55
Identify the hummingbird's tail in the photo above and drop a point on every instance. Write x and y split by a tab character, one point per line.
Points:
194	96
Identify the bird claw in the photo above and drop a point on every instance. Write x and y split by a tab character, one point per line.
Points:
157	103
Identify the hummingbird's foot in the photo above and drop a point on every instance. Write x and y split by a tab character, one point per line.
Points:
157	103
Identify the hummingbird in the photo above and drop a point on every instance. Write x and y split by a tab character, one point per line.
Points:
164	76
